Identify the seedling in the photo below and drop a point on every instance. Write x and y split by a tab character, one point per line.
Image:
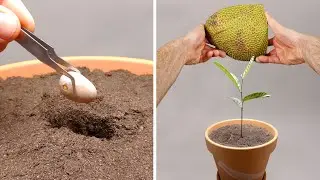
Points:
239	85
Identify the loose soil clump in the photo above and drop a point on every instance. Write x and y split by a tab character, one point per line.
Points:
230	135
43	135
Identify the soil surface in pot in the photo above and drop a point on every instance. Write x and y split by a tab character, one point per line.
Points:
43	135
230	135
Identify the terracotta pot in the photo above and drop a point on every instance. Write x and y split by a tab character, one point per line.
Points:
104	63
243	163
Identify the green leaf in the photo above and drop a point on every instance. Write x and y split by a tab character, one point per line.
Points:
255	96
237	101
247	68
231	76
236	79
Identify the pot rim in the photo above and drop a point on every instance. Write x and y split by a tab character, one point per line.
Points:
241	148
79	58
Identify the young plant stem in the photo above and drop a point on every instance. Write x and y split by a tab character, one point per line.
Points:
241	96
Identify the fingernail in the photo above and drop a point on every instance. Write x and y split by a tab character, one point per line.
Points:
8	26
257	59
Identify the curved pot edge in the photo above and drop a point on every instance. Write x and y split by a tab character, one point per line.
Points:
79	58
264	176
275	138
34	67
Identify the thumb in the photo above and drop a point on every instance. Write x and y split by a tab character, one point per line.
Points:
196	36
275	26
9	26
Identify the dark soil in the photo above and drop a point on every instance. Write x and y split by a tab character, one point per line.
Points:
46	136
231	136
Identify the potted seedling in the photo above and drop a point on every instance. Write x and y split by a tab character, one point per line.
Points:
241	147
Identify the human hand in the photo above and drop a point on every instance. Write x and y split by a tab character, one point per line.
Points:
287	45
13	15
198	51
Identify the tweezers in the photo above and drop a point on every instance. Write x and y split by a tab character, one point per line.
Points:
45	53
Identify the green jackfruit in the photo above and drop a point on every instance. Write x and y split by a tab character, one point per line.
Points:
241	31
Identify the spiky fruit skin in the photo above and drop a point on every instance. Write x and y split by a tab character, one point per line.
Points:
241	31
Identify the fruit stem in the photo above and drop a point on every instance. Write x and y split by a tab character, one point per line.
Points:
241	95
